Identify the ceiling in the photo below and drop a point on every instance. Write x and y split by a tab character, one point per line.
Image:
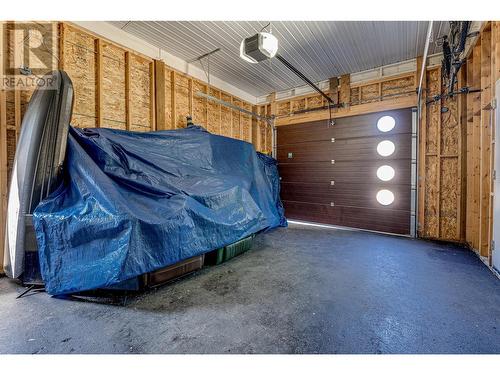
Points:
319	49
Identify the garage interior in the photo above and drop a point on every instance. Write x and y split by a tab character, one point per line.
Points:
387	177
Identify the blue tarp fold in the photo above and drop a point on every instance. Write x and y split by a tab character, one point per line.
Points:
135	202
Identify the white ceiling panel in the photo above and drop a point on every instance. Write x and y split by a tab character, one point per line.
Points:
319	49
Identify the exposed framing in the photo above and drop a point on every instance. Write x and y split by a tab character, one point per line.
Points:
3	151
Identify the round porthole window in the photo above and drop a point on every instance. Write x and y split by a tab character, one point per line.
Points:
385	148
385	173
385	197
386	123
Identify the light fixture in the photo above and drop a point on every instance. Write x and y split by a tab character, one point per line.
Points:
386	148
385	197
385	173
386	123
259	47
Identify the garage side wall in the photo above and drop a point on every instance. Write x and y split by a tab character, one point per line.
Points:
456	160
115	87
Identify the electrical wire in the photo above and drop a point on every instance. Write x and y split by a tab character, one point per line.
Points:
269	24
330	112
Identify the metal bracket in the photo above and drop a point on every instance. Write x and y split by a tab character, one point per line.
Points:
333	161
332	204
31	288
332	183
333	140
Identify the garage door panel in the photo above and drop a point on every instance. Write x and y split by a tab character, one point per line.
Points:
346	194
306	172
329	175
345	127
382	220
365	172
344	171
365	148
343	149
305	152
366	125
312	131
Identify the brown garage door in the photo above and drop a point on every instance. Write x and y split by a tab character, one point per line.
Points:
339	175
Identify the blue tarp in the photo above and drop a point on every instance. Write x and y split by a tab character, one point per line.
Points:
135	202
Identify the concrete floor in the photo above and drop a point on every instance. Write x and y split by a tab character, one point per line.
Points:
299	290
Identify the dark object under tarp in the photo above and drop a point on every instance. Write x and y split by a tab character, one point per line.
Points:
134	202
228	252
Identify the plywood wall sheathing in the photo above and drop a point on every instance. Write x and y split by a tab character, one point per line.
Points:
389	89
79	60
160	100
432	158
398	86
213	112
200	104
181	100
246	124
99	85
298	104
440	146
237	128
255	129
355	95
152	96
226	116
112	89
191	96
140	93
370	93
449	170
283	108
116	87
314	101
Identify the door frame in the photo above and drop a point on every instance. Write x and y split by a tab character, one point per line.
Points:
415	116
414	172
495	253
